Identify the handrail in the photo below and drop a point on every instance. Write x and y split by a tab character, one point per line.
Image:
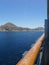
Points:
31	56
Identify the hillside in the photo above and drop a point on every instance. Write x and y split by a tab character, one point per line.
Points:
13	27
39	28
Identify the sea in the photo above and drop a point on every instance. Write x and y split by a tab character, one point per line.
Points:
14	45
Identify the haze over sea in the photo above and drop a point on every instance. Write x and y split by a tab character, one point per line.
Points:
14	44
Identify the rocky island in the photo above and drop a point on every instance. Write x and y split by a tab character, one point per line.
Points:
13	27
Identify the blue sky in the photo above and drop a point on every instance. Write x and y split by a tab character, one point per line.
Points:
24	13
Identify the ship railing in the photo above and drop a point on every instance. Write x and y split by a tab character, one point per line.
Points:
33	54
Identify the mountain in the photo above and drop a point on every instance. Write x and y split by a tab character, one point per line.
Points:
39	28
13	27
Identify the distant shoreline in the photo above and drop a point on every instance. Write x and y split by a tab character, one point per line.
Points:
21	30
12	27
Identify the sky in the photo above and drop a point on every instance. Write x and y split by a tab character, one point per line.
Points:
23	13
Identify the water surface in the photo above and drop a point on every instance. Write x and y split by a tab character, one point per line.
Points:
14	44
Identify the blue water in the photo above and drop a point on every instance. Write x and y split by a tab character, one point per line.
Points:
14	44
